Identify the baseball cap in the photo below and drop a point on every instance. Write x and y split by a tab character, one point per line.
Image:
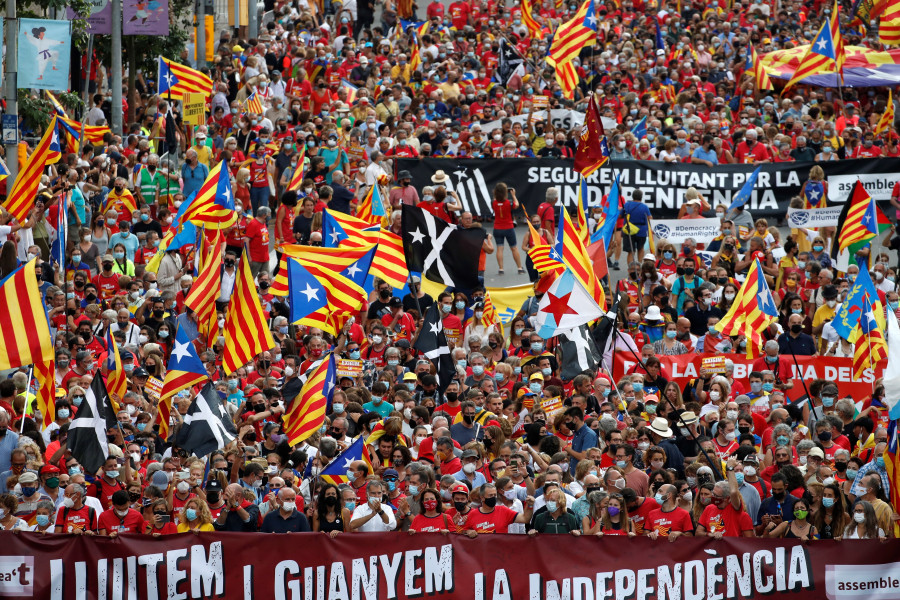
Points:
459	488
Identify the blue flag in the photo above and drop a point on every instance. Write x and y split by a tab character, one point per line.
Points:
306	293
332	232
336	471
743	196
660	43
640	128
848	313
607	228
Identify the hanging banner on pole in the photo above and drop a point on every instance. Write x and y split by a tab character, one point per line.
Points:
99	20
44	54
145	17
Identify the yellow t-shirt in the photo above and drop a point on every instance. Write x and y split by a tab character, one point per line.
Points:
183	527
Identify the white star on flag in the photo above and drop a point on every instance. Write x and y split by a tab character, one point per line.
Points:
352	270
417	236
310	292
348	462
226	194
814	195
169	78
436	328
181	351
821	44
334	236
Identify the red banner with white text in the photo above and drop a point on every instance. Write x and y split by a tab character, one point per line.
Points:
684	367
312	566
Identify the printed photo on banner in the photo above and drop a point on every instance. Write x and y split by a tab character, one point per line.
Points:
44	51
145	17
99	20
676	231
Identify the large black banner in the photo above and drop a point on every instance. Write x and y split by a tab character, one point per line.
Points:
664	185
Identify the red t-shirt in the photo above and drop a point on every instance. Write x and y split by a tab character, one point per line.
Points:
731	521
106	286
496	521
73	520
258	235
639	517
431	524
103	491
503	214
725	451
459	14
133	522
664	522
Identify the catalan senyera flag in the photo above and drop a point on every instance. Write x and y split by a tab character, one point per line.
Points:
342	294
540	253
581	224
571	252
752	311
45	375
892	466
415	58
297	177
305	414
534	28
592	152
871	346
574	35
389	262
489	315
246	331
567	77
20	200
336	258
122	203
116	379
824	55
174	80
213	207
858	220
24	328
371	208
253	105
886	121
753	65
889	24
336	471
208	285
185	369
93	133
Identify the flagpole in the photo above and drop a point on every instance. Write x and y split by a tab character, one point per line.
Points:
799	372
869	343
25	407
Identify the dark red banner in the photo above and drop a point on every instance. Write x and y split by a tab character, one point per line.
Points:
242	566
685	367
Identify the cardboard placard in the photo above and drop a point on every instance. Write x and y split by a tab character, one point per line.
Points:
347	367
714	365
154	387
551	405
194	108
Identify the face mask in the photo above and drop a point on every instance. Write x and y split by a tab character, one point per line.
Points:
732	414
782	440
468	468
183	487
828	401
112	474
851	474
354	354
768	387
68	502
879	462
643	446
377	339
478	369
413	490
535	387
637	386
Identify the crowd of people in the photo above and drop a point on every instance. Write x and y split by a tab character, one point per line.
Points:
507	446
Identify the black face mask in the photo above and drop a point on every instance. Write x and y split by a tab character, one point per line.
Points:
779	496
331	500
490	502
840	467
384	293
679	271
588	490
468	419
264	364
229	263
460	506
744	430
259	407
212	497
796	328
451	396
134	496
689	271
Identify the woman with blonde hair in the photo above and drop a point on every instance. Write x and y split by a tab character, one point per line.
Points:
242	186
195	517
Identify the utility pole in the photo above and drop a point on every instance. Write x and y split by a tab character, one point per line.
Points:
12	103
253	31
116	108
200	42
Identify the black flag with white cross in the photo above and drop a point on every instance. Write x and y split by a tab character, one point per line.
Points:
440	251
207	425
433	344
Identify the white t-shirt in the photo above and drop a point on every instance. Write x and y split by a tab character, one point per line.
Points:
376	523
